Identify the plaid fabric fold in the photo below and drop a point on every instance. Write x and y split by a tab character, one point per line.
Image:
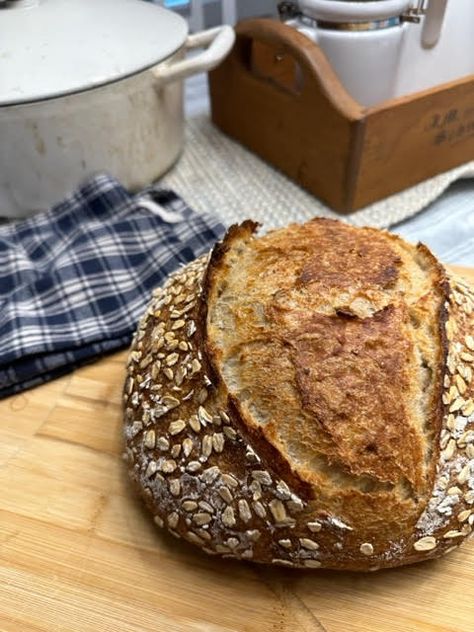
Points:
75	280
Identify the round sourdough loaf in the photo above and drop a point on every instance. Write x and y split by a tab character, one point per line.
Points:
306	399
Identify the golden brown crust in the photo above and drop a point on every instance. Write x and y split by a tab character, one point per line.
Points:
335	357
340	264
288	400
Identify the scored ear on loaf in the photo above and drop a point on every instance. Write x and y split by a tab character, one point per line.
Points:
305	398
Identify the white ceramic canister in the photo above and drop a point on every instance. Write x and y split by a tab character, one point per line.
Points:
383	49
362	41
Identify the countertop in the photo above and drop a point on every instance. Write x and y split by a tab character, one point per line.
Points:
80	554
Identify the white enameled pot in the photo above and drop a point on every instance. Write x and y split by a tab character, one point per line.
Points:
86	96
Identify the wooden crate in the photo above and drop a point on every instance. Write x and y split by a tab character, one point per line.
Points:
277	94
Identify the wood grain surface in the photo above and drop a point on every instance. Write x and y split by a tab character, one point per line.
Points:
78	553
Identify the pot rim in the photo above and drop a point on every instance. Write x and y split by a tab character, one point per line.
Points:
92	88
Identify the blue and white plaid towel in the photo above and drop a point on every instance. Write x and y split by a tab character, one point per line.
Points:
75	280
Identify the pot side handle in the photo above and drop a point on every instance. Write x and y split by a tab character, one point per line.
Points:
219	41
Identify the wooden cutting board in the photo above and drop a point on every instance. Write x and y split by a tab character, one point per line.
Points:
78	553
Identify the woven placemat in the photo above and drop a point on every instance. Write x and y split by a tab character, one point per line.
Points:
216	174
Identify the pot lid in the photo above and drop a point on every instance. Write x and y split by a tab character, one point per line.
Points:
49	48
